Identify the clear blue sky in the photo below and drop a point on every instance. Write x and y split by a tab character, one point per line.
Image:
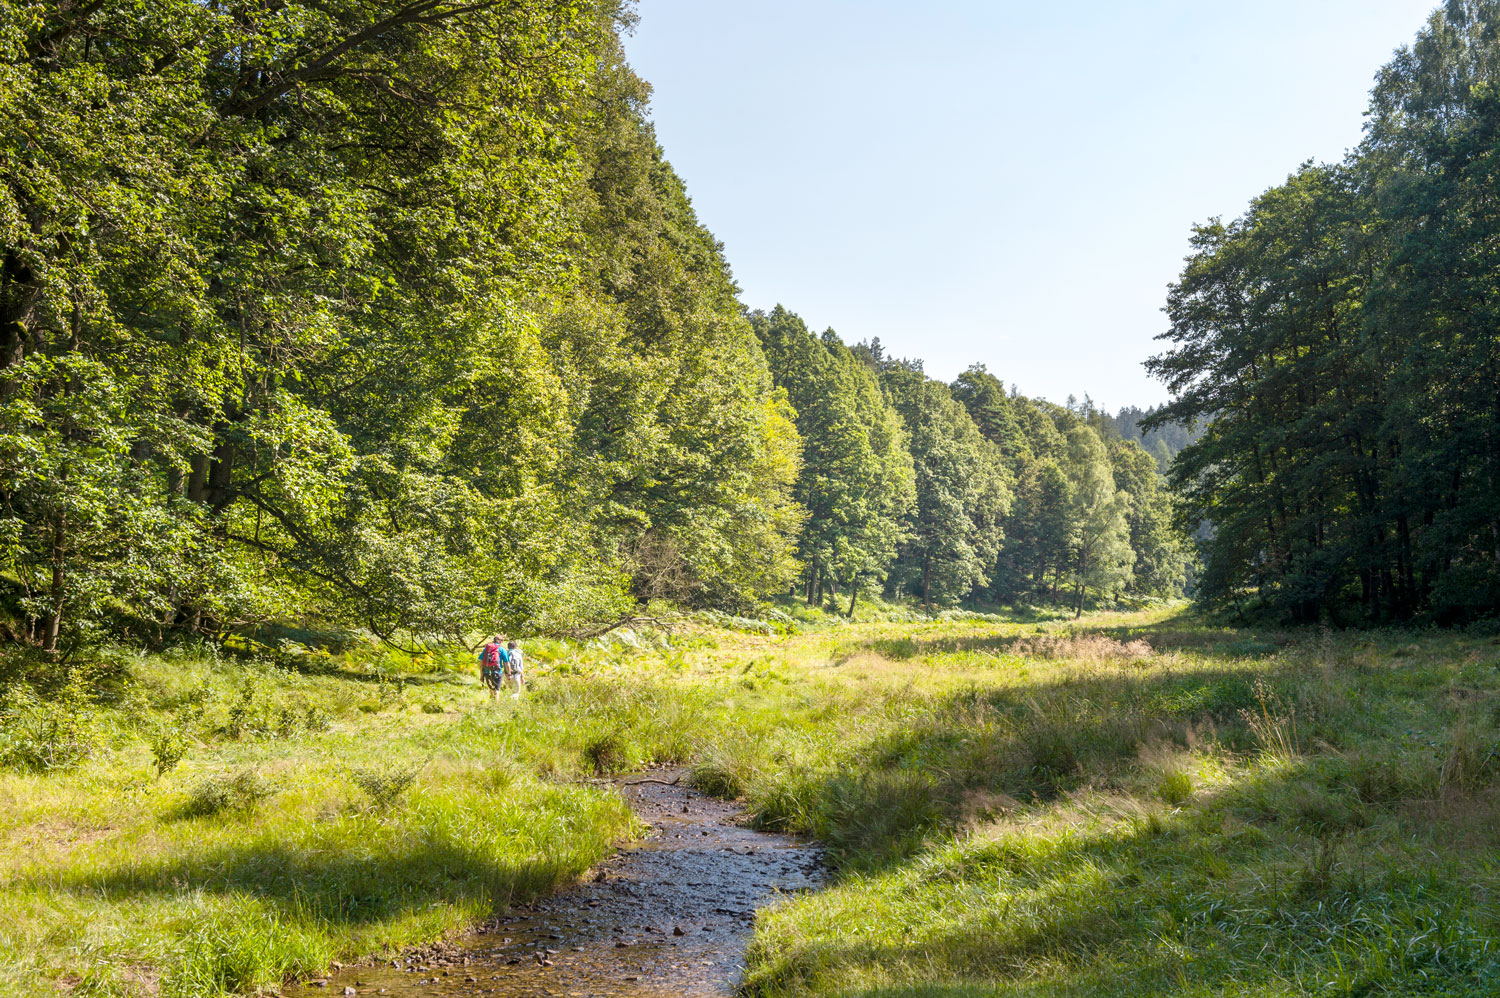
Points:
998	182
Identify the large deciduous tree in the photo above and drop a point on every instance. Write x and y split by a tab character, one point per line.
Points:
856	482
1340	343
963	492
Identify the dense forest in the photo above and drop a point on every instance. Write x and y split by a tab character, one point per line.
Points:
1340	343
992	497
394	314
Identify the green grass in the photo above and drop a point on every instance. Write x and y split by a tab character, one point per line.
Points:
1140	807
1137	804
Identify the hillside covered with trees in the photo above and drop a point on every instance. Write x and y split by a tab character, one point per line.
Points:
395	315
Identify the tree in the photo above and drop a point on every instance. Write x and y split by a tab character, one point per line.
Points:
387	312
963	492
1339	340
1100	535
1160	564
856	484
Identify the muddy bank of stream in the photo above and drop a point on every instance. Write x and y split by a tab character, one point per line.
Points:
669	915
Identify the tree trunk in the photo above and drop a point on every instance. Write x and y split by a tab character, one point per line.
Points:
197	483
18	295
927	581
853	595
1083	564
220	474
53	629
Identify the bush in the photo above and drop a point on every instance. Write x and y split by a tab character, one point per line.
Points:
52	734
256	713
385	788
168	746
241	791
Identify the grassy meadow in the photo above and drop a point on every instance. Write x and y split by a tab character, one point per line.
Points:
1130	804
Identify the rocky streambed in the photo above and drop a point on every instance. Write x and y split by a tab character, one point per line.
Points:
669	915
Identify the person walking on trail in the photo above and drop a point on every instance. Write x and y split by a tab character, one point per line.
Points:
494	658
515	669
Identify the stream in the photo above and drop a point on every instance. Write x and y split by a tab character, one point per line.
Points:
669	915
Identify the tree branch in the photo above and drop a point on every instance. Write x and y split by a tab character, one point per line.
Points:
323	66
38	45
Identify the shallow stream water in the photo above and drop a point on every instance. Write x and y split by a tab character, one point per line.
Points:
669	915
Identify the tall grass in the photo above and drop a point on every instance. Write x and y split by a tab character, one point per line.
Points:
1131	805
1142	807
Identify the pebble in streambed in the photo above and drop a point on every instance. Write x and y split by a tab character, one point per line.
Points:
669	915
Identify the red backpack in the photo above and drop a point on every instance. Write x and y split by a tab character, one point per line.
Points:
491	659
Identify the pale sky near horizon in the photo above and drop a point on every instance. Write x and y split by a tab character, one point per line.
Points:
1011	184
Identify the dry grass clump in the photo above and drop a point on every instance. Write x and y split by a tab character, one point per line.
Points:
1085	648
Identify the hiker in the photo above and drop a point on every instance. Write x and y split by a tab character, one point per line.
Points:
494	658
515	666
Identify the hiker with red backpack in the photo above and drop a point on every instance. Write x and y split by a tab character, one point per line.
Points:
494	660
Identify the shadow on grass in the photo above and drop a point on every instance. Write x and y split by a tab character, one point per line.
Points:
347	887
981	751
1146	906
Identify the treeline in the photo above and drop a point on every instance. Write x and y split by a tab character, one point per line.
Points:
390	313
962	492
1341	343
1163	440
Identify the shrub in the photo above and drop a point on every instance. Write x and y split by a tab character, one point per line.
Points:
255	713
315	718
43	735
390	692
385	788
241	791
168	746
244	717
